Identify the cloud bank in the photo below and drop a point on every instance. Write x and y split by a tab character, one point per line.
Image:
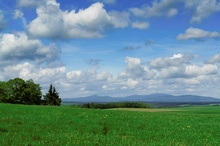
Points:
176	74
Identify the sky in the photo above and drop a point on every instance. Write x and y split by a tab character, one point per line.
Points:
112	47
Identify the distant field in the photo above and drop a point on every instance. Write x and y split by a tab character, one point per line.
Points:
147	109
44	125
154	104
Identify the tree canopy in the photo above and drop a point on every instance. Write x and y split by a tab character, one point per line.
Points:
19	91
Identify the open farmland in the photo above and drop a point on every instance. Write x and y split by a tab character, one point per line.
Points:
46	125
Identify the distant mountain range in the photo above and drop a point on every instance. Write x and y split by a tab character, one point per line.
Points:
145	98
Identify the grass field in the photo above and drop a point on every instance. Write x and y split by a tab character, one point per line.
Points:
44	125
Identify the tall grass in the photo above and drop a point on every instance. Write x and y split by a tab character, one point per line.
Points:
44	125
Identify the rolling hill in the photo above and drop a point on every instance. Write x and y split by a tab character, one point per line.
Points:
160	97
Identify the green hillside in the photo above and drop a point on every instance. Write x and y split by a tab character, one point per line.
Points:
48	125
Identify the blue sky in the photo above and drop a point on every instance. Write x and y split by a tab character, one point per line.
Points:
112	47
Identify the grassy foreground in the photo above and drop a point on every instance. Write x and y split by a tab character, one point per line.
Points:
44	125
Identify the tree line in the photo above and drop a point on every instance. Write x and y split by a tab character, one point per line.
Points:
115	105
19	91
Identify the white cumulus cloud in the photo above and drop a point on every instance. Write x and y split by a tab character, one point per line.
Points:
179	66
135	69
19	47
197	34
202	9
140	25
18	14
213	60
176	56
158	8
174	61
92	22
119	19
27	71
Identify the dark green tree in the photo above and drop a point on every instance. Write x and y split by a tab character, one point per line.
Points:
52	97
3	91
16	91
32	93
19	91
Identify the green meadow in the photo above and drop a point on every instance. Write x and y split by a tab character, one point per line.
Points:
65	125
